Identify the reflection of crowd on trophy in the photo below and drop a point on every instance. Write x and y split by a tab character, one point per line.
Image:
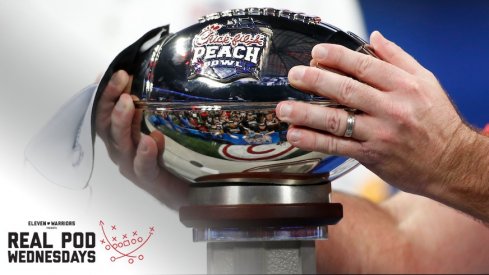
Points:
229	127
229	122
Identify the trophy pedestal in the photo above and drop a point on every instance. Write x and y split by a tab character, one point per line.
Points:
272	257
261	229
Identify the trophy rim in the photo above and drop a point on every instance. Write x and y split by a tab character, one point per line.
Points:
223	105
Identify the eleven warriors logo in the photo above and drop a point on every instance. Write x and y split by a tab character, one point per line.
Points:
229	52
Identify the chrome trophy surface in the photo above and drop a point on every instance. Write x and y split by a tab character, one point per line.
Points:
211	90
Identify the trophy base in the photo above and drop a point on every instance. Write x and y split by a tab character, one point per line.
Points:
260	212
260	228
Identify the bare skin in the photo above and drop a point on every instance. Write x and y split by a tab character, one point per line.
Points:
405	234
408	132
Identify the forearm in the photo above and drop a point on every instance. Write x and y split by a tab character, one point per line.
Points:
405	234
366	240
464	182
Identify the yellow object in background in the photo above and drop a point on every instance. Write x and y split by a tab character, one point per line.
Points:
375	190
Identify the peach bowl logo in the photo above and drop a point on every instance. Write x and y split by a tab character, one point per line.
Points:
125	244
228	52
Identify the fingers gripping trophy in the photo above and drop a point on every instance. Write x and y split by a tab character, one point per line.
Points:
210	92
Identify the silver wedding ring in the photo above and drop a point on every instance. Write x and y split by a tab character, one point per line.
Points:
350	123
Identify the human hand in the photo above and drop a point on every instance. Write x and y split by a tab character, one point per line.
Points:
408	132
118	125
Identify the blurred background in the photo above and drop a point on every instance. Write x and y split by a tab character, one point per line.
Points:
51	49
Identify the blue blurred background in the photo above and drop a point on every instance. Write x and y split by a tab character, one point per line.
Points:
449	37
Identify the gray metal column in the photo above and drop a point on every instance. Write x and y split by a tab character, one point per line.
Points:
272	257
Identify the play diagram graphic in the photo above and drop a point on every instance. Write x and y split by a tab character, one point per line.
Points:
125	245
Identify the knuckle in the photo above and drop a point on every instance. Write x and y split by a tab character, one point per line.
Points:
113	142
298	115
347	88
401	114
139	170
120	128
333	146
307	117
120	143
411	85
362	66
385	136
315	144
327	144
117	119
333	122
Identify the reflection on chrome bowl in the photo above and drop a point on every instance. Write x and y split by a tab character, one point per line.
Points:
240	142
211	90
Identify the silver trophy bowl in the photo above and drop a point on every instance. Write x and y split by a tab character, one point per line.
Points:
211	89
